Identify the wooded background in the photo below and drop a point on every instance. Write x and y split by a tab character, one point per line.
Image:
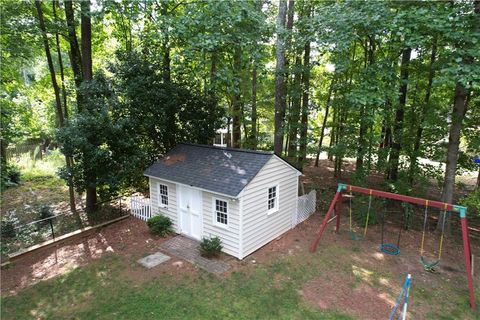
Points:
116	84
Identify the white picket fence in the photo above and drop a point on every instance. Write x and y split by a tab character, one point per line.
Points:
140	207
306	206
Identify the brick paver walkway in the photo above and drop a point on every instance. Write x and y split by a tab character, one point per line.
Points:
187	249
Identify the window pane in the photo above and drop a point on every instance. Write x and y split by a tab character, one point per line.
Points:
163	189
221	211
272	198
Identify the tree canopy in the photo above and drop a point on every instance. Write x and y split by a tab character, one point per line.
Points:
390	84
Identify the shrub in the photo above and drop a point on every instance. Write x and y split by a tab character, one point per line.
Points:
14	174
9	176
160	225
43	213
211	247
7	229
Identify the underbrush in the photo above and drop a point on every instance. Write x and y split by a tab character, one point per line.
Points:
38	170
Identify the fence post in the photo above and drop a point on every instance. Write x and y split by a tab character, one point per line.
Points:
51	228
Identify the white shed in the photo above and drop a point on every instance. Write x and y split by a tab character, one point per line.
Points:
246	198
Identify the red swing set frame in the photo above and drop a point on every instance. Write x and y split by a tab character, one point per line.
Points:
336	205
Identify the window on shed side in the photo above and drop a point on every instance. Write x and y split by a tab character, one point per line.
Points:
272	199
221	212
163	195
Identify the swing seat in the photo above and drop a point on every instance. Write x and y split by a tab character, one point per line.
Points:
389	248
354	236
429	266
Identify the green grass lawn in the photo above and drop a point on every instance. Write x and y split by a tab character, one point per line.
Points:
99	291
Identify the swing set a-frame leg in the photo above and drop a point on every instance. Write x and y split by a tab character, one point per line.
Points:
468	258
318	236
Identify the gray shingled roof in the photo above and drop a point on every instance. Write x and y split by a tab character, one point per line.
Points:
221	170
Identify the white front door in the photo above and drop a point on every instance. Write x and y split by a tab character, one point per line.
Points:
190	210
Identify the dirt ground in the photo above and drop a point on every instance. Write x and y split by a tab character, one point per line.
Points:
357	280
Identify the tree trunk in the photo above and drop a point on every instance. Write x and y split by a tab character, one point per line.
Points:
394	161
458	114
68	160
165	45
213	72
3	152
426	102
60	62
324	124
58	103
237	98
341	120
75	56
361	140
369	60
305	104
333	133
460	106
86	29
478	179
295	110
280	98
253	133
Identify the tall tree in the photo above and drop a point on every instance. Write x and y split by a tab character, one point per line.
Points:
59	111
305	102
53	77
296	96
280	97
325	117
458	114
75	55
424	111
394	161
254	116
237	104
86	31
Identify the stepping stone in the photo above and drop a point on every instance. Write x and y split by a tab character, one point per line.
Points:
153	260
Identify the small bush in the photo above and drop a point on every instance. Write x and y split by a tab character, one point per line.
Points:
7	229
9	176
211	247
160	225
14	175
43	213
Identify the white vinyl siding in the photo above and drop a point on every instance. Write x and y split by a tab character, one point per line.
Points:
157	208
260	227
229	235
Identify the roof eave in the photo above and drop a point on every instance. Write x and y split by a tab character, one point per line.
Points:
202	189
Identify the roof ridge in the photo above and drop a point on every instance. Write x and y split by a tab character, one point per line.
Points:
227	148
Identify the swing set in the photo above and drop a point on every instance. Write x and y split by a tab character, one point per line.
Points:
394	249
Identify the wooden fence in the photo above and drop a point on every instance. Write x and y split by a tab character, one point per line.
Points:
35	151
140	207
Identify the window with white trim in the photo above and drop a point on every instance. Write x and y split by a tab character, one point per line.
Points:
163	195
272	199
221	212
